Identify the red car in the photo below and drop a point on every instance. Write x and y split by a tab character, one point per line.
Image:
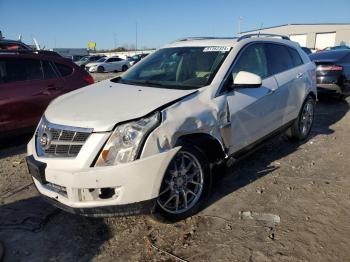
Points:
29	80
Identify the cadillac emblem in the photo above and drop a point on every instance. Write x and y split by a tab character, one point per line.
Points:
45	140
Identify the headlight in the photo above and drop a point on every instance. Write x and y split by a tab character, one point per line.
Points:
125	142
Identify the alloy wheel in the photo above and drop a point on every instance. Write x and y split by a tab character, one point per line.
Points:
182	185
307	117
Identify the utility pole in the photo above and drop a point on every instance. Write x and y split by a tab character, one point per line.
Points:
136	38
115	40
240	19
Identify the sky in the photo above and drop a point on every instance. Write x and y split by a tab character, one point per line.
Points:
68	23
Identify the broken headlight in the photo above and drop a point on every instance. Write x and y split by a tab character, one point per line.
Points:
124	144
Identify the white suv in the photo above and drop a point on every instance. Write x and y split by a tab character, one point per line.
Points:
147	141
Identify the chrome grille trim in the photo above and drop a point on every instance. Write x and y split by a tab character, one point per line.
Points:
62	141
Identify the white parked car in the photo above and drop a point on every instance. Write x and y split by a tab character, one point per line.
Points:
146	141
108	64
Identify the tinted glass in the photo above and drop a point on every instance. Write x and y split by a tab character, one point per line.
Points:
252	60
297	61
48	70
103	59
279	58
14	70
178	68
64	69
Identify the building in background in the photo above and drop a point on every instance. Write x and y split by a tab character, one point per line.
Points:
314	36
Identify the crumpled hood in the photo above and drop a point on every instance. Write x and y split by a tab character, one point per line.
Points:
102	105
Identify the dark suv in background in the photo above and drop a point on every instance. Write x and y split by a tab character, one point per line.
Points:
333	71
29	80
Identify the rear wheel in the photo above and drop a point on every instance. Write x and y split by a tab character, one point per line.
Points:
301	127
100	69
186	184
124	68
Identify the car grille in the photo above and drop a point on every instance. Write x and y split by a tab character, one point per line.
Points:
60	141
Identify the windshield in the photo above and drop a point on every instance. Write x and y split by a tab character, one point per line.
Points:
177	68
85	58
102	59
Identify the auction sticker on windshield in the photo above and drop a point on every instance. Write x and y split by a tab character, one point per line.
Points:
217	49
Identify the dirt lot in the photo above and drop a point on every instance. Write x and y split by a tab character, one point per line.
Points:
286	202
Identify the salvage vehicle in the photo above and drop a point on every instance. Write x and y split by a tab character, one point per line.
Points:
147	141
108	64
29	80
333	71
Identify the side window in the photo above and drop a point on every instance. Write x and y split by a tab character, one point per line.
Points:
64	69
252	60
15	70
297	61
113	59
279	58
48	70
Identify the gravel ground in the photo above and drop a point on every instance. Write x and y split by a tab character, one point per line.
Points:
286	202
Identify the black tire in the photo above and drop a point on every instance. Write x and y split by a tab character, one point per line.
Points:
124	68
100	69
202	160
296	131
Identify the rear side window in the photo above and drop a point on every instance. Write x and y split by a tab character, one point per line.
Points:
16	70
48	70
297	61
279	58
252	60
64	69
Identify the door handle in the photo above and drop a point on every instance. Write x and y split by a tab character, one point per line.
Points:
299	75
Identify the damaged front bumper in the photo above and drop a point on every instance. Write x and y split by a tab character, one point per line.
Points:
125	189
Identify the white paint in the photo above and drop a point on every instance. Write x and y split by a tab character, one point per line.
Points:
234	119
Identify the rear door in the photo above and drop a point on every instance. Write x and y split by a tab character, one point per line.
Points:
253	111
22	98
288	68
116	64
109	64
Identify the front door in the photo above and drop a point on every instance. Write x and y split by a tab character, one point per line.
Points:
253	111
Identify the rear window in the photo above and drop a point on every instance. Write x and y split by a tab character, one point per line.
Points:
64	69
15	70
329	55
279	58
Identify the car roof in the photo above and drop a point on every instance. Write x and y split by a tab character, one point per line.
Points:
226	41
331	54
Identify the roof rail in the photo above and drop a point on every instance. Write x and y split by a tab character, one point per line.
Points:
203	38
26	51
262	35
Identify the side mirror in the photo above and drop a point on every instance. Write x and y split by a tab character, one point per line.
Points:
246	79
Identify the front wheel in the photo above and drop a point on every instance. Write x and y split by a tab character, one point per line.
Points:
186	184
100	69
301	127
124	68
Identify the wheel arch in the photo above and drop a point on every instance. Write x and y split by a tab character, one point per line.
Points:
211	147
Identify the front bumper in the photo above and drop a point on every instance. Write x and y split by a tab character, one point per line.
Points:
131	188
92	69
